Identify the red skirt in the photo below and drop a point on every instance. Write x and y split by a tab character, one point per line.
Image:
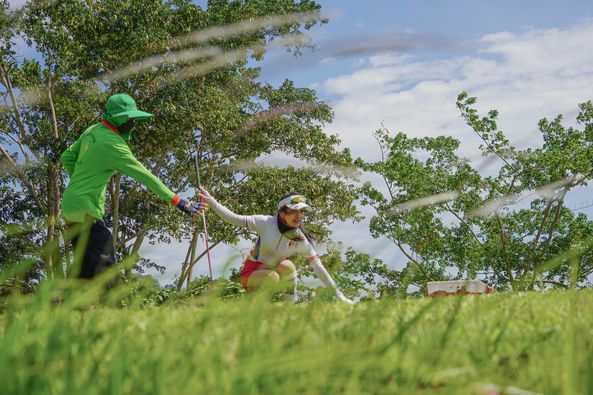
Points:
247	270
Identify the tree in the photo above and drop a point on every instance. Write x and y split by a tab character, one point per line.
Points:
357	274
512	229
204	94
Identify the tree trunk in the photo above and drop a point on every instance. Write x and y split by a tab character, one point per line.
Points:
53	239
187	262
192	263
190	267
50	265
537	262
54	192
135	248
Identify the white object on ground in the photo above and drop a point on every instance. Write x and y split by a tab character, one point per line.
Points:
458	287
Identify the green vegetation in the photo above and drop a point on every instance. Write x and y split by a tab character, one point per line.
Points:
510	226
205	103
450	220
249	345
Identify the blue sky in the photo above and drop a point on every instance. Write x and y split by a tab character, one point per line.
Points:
457	16
458	19
528	59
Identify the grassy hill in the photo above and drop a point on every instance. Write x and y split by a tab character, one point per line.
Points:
497	344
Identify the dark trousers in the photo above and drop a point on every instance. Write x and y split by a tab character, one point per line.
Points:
93	248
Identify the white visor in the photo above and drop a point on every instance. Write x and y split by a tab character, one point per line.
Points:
294	202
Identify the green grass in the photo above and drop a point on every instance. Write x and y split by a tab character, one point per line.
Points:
502	343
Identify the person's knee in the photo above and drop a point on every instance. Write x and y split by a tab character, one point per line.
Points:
286	269
273	277
268	281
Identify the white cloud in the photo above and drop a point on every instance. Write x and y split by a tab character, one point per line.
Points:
526	76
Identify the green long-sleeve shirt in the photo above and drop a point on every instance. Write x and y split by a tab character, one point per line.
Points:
90	162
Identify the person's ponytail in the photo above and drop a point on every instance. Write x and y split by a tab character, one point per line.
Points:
311	235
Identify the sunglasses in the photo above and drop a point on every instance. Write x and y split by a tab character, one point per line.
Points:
292	200
298	199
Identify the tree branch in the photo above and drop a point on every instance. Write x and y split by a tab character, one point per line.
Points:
490	148
418	264
464	223
504	247
552	227
17	142
15	106
51	101
547	282
15	168
387	182
530	264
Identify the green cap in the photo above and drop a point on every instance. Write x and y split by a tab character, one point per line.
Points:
121	107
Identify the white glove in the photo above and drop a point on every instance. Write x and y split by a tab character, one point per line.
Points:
204	194
344	299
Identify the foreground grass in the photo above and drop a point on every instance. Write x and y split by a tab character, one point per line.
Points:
505	343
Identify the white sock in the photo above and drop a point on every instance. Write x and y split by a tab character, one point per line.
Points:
295	279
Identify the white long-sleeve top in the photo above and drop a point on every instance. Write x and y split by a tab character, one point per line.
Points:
272	246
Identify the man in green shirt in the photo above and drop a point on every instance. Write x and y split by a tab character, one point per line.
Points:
90	162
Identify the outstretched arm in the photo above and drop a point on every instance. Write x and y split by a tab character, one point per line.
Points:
226	214
126	163
325	277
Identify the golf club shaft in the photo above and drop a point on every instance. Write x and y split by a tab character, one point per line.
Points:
207	247
197	166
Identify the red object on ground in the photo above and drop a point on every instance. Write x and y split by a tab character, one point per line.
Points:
459	287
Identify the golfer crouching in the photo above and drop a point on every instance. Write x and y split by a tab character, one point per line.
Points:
279	237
